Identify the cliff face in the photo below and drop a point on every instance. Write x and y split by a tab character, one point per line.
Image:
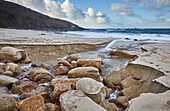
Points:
16	16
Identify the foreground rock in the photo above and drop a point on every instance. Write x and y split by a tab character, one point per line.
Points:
95	90
63	67
14	68
51	107
7	80
40	75
122	54
76	100
7	102
73	57
14	54
150	102
33	103
22	86
89	63
81	72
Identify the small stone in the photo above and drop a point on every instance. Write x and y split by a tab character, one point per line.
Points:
31	104
8	73
108	106
21	87
64	63
110	85
117	103
123	100
15	68
62	70
7	102
81	72
51	107
73	57
2	68
4	90
45	66
89	63
74	63
7	80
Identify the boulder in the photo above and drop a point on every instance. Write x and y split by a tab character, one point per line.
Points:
7	80
8	73
22	86
4	90
129	82
90	63
33	103
114	78
67	81
122	54
59	89
95	90
14	54
43	88
51	107
40	75
64	63
7	102
81	72
76	100
46	66
73	57
15	68
123	100
110	85
108	106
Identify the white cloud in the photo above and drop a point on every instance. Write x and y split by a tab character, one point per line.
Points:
66	11
122	9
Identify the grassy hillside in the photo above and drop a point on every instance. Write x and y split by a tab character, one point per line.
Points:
16	16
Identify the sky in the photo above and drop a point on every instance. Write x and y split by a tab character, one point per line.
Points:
105	13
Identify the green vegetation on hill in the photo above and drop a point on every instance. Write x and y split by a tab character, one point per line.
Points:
16	16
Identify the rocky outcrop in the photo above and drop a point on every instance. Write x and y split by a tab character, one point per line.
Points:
150	102
76	100
81	72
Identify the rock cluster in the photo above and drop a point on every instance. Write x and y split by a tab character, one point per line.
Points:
72	84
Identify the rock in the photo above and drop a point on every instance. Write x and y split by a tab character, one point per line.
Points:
76	100
67	81
15	109
7	81
108	92
7	102
81	72
117	103
89	63
122	54
129	82
123	100
43	88
13	54
165	80
8	73
4	90
95	90
22	86
23	75
15	68
40	75
51	107
59	89
62	70
64	63
33	103
74	63
110	85
46	66
150	102
73	57
114	78
2	68
108	106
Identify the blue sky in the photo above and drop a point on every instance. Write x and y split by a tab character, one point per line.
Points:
105	13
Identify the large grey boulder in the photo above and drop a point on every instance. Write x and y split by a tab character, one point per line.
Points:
7	80
76	100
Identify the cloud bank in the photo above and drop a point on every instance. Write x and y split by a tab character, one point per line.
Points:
67	11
